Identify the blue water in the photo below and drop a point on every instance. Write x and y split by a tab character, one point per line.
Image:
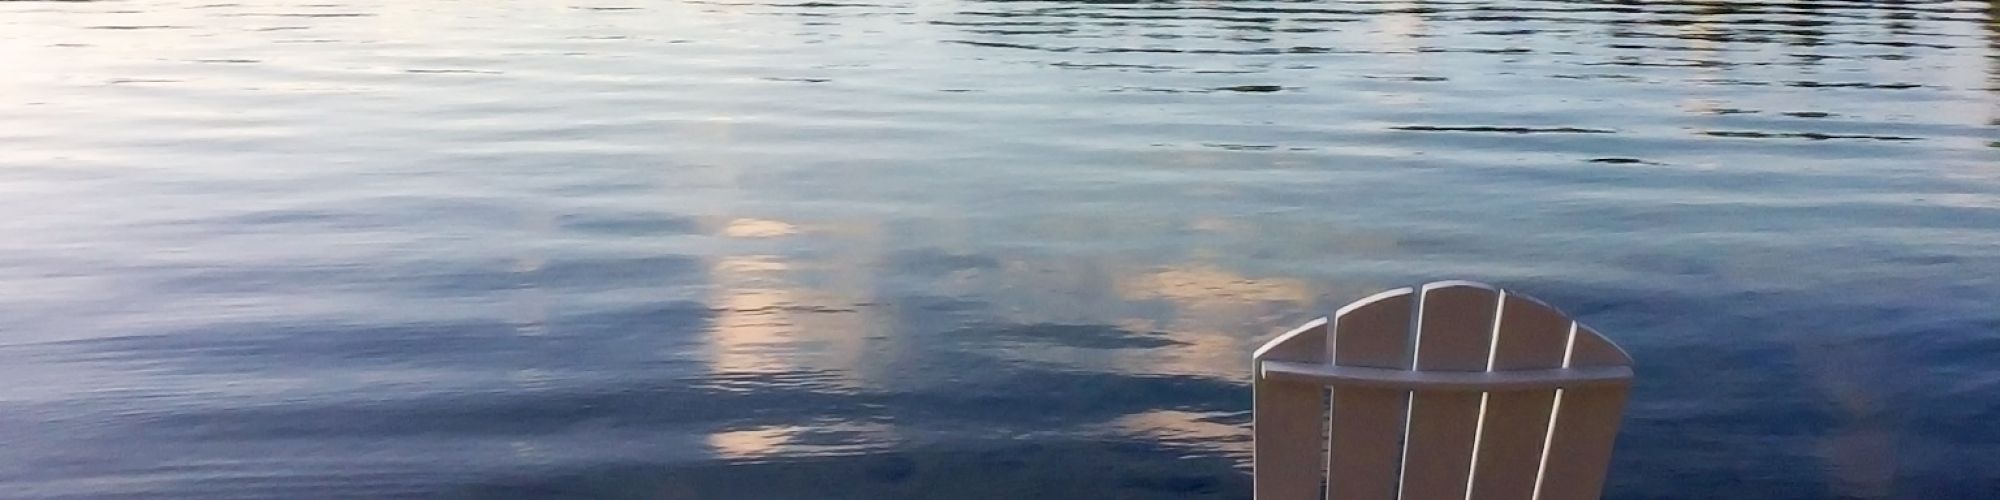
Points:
964	249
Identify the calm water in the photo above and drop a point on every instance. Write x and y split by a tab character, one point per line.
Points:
961	248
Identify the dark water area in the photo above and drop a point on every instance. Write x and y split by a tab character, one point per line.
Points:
964	249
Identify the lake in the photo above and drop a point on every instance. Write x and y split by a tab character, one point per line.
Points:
858	249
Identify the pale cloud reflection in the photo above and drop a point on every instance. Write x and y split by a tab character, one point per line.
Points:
746	265
1216	314
1208	432
801	441
750	443
766	322
758	228
1209	287
1701	34
1399	29
750	336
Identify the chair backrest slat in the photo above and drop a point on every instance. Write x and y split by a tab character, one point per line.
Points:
1390	437
1531	336
1586	425
1288	418
1363	459
1455	332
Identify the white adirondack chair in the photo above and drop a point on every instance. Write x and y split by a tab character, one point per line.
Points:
1456	391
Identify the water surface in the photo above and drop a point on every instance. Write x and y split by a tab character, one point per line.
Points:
961	248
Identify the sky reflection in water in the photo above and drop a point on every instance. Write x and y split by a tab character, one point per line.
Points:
964	249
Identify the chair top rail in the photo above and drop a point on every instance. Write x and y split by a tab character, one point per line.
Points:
1446	381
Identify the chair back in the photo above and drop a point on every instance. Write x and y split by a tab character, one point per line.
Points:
1453	391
